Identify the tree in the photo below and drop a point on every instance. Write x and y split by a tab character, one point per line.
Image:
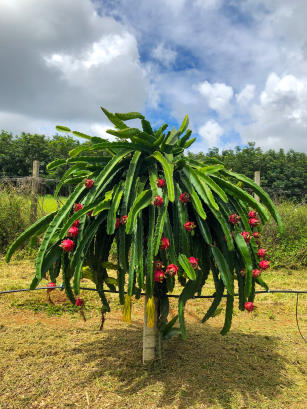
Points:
169	215
283	175
17	153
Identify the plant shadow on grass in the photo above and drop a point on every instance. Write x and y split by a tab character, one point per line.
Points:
206	368
49	308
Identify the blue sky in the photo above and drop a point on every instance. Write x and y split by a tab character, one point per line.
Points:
236	67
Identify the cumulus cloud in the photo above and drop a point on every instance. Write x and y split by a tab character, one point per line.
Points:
175	5
208	4
16	123
98	129
112	54
218	95
280	117
165	55
218	40
76	68
246	95
210	133
282	91
53	70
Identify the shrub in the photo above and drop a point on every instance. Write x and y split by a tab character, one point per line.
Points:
287	249
15	212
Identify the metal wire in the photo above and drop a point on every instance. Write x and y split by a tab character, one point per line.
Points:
61	287
298	327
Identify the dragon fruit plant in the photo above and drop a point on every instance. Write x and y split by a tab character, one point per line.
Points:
172	219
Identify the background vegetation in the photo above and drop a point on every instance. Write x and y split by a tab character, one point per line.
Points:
15	214
289	249
283	174
17	153
15	210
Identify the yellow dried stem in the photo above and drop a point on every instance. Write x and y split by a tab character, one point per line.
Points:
127	308
150	310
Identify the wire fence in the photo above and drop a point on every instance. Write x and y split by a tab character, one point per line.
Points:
44	186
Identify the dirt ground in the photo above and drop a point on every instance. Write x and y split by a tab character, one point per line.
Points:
51	358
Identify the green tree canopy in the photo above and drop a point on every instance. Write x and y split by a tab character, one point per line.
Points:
283	175
17	153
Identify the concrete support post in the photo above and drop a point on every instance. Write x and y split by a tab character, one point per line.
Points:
257	180
150	337
34	190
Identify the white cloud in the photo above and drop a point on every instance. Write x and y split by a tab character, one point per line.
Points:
281	90
108	51
165	55
102	52
56	71
218	95
22	123
175	5
237	45
246	95
100	130
210	133
208	4
18	123
63	71
280	117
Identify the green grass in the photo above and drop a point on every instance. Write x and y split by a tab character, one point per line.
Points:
50	358
49	204
16	215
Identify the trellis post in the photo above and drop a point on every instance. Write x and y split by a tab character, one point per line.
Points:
257	180
34	190
151	339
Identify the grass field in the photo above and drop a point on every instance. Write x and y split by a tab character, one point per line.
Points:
50	358
49	204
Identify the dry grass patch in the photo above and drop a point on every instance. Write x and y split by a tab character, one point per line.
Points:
50	358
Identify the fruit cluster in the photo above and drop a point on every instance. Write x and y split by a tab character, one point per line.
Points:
253	221
171	269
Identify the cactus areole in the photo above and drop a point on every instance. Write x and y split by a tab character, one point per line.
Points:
120	196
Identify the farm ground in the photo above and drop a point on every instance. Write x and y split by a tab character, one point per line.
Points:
50	358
